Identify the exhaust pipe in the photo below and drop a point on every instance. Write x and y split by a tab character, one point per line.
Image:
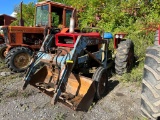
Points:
72	22
21	22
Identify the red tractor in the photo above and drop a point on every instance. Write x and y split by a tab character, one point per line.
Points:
150	97
2	47
4	20
1	38
21	42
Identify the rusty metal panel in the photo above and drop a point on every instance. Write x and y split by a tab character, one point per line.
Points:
56	4
49	16
19	38
22	29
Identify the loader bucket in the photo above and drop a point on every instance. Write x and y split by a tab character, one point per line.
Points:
78	93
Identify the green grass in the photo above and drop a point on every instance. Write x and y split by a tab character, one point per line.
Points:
60	116
91	106
141	41
18	93
27	93
13	93
140	118
135	75
3	67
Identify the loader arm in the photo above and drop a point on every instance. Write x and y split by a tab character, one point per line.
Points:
42	53
36	60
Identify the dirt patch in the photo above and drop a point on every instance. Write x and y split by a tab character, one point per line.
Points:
122	102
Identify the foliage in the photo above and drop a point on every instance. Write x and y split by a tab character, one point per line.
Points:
28	11
138	18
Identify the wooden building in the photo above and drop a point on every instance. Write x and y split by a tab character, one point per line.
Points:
6	19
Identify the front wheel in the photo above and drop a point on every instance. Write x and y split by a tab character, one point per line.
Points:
101	81
18	59
2	52
156	41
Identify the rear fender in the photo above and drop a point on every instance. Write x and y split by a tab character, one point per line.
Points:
118	37
9	47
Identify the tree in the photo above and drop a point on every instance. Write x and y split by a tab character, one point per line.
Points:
28	13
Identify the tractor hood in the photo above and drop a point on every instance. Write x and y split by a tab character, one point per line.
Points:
15	33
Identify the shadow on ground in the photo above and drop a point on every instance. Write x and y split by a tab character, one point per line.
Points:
112	84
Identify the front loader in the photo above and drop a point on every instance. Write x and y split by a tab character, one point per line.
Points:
74	71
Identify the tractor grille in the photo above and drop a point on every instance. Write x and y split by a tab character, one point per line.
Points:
13	38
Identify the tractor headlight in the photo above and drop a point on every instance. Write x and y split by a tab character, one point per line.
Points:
117	36
121	36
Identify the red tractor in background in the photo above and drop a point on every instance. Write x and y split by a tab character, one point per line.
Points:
21	42
4	20
1	37
2	46
150	96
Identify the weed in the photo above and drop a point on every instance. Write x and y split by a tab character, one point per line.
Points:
140	118
1	90
26	94
60	116
2	78
132	91
135	75
12	94
14	76
92	105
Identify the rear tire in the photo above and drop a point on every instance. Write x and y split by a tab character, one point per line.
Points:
150	96
124	57
156	42
101	80
18	59
2	50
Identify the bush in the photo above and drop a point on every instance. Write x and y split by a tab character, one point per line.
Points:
135	75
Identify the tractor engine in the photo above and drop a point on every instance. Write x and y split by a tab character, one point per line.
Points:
32	39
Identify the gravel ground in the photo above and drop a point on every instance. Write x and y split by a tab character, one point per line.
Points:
121	103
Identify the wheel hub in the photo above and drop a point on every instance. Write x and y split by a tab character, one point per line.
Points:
22	60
